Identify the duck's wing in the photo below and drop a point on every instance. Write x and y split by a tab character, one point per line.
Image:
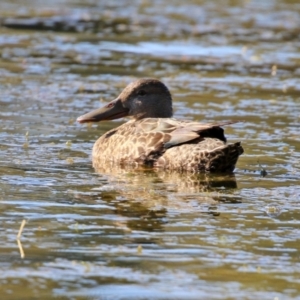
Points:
171	132
165	125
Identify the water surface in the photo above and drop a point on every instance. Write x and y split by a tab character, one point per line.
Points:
139	234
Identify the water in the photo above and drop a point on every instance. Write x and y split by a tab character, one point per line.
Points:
139	234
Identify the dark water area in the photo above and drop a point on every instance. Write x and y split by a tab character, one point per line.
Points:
122	233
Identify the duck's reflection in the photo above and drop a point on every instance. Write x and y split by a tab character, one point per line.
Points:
146	197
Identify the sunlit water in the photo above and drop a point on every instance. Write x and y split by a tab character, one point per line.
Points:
140	234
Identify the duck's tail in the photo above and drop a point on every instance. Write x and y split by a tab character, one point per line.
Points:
223	159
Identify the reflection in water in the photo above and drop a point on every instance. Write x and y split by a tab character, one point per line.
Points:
22	254
146	195
202	237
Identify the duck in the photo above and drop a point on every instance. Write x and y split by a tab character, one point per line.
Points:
153	138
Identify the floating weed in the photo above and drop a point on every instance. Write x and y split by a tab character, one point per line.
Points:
69	143
76	227
22	254
255	58
86	265
139	249
21	229
284	88
273	210
81	89
263	172
213	210
244	50
274	70
258	269
286	149
245	267
70	160
223	239
26	144
151	192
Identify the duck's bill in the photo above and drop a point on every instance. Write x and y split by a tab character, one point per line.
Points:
112	110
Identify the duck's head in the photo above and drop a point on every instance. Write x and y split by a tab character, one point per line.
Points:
144	98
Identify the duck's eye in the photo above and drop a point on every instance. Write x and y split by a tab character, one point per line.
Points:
110	105
142	93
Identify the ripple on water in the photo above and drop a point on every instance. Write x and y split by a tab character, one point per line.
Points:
140	233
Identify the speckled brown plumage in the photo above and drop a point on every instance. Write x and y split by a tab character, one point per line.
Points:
155	139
